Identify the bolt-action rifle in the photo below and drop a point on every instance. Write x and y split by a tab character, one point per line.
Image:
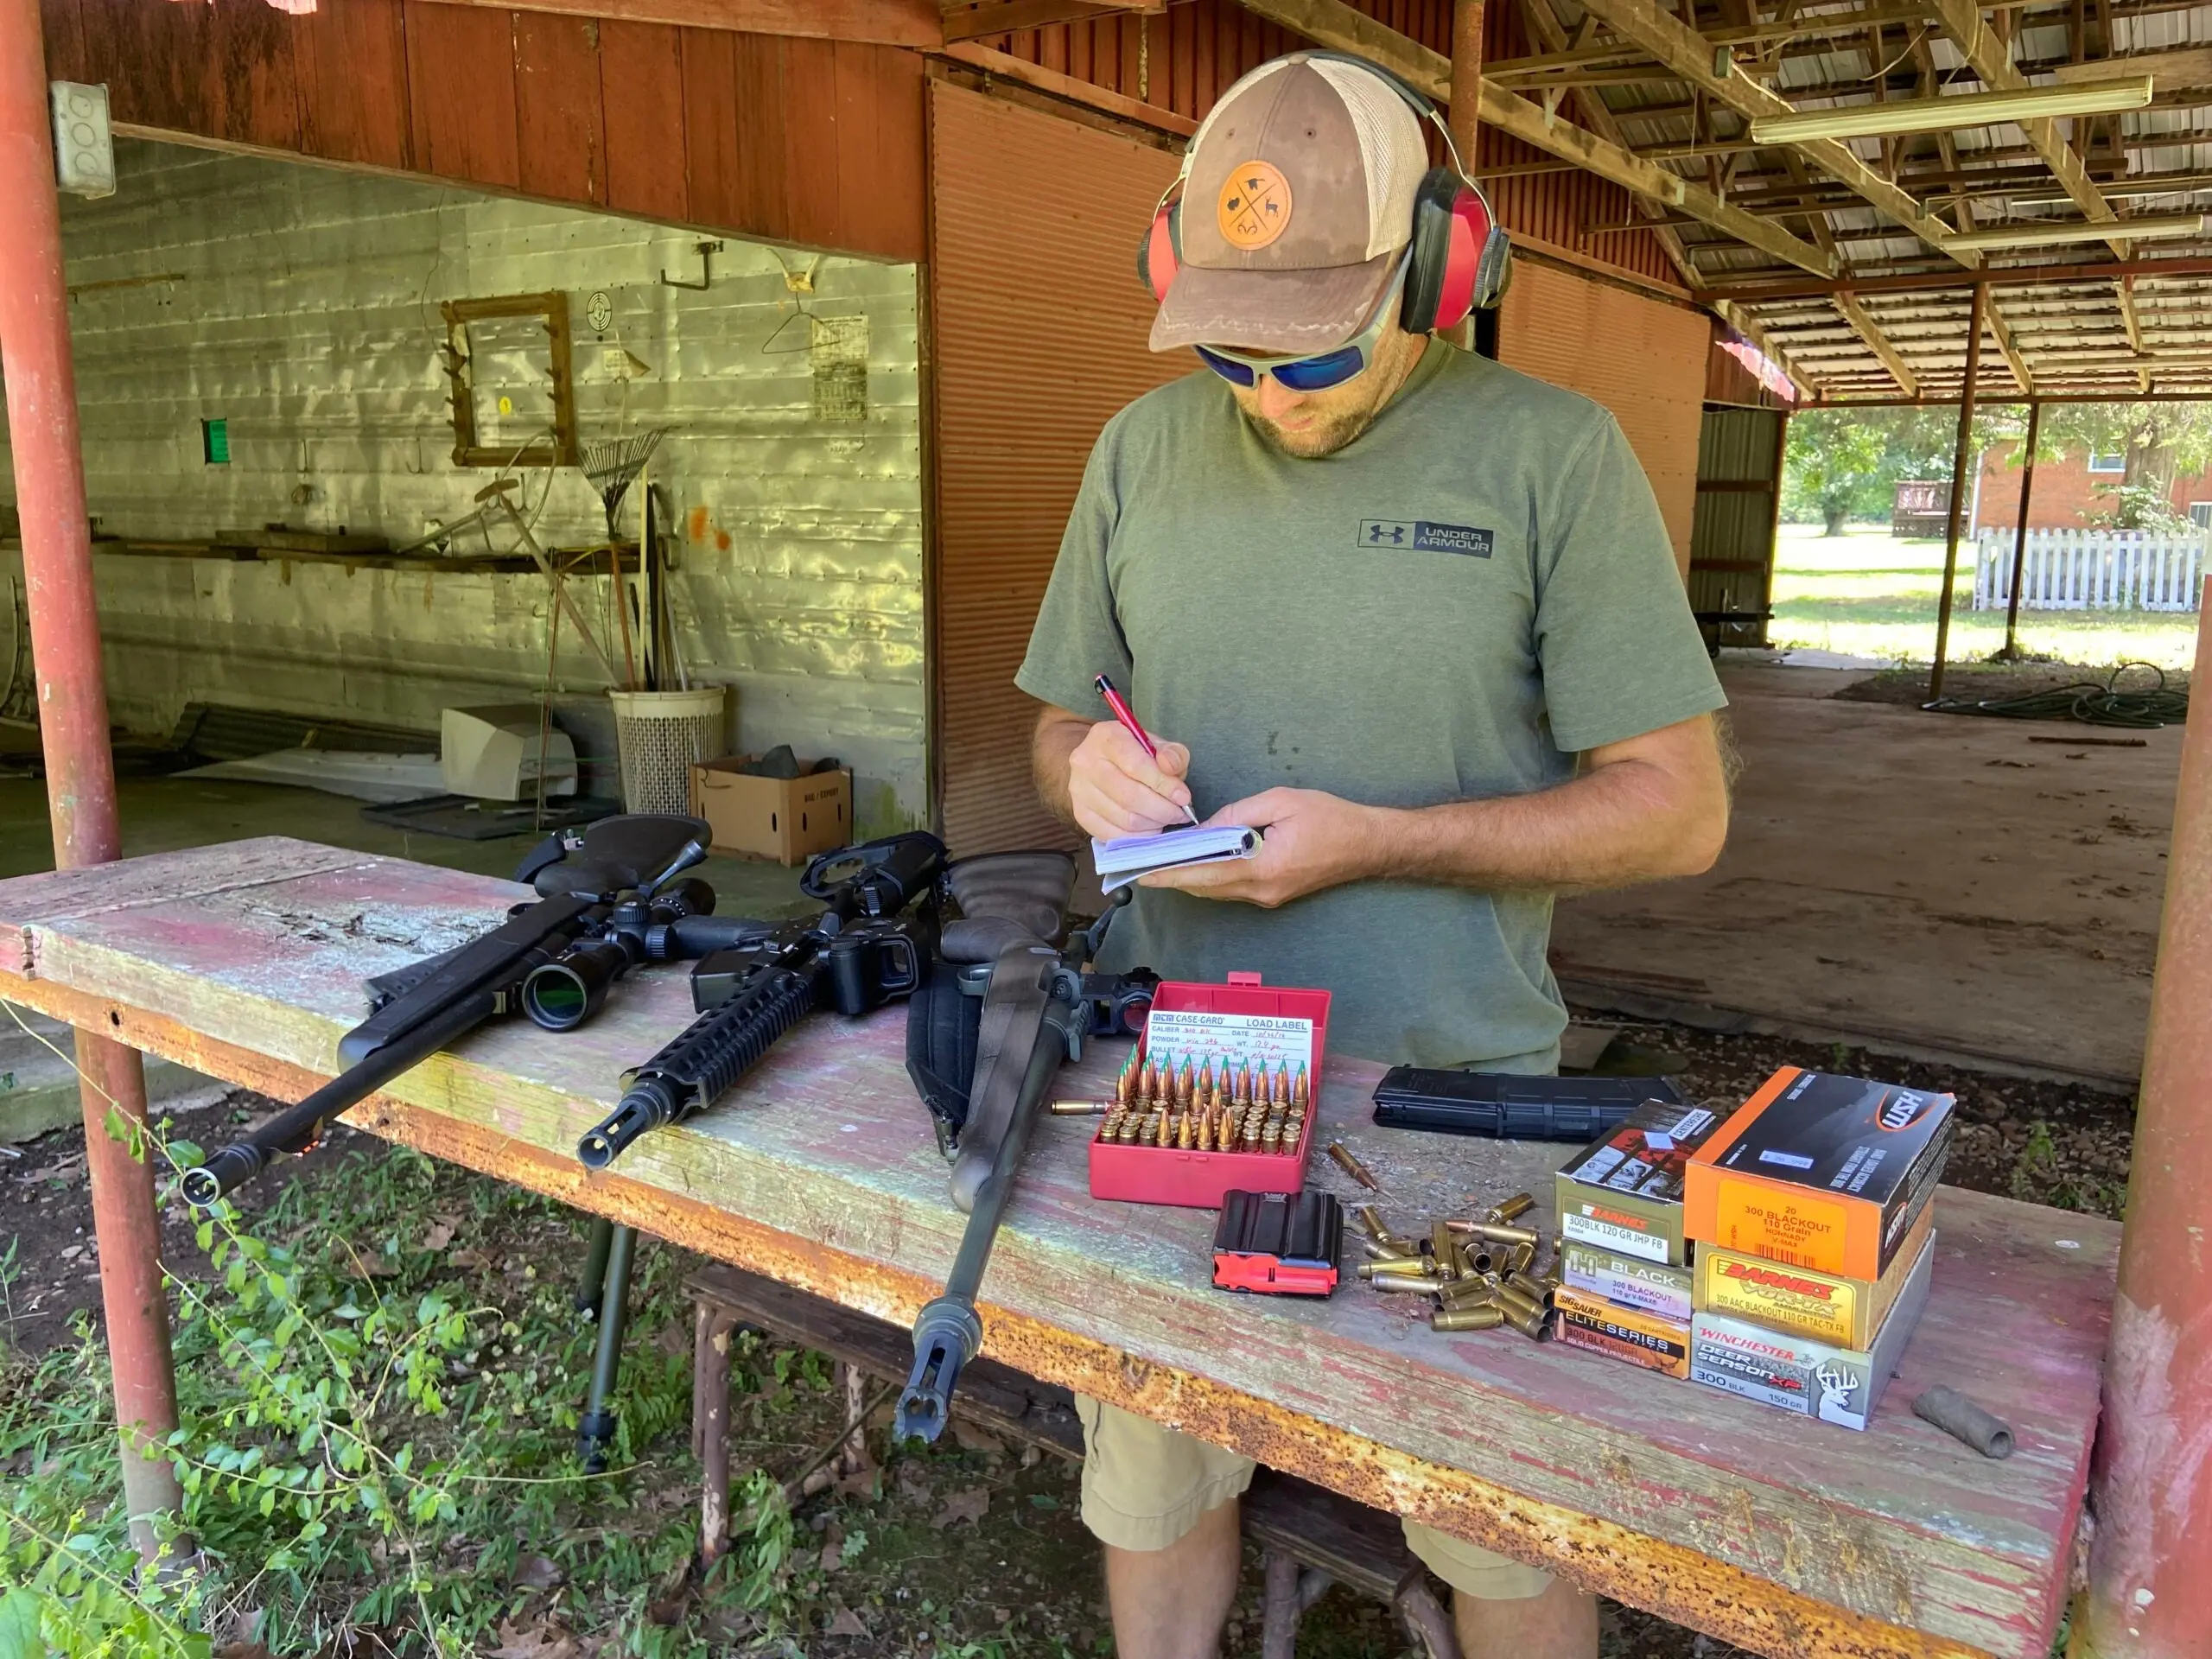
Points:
863	949
1010	1003
609	900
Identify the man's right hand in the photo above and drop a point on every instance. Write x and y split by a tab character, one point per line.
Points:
1113	787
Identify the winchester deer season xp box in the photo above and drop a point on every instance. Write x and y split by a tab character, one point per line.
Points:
1623	1191
1820	1171
1802	1374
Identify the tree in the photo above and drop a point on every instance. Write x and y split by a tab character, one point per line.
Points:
1845	463
2159	440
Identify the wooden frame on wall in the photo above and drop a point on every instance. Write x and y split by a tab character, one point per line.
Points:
561	450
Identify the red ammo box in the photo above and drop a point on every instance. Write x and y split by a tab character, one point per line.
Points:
1199	1179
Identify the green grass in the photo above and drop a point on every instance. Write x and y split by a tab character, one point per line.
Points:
1869	594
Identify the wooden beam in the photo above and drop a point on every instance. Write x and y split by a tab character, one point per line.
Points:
882	23
1333	24
2001	332
1741	320
967	21
1991	59
1998	275
1878	343
2171	71
992	62
1692	57
2124	288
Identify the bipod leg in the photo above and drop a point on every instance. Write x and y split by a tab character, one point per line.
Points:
594	1283
596	1431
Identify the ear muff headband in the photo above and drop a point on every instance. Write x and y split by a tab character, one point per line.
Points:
1461	257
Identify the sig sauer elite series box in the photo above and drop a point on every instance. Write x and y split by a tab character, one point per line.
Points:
1640	1338
1801	1373
1827	1306
1820	1172
1647	1287
1624	1192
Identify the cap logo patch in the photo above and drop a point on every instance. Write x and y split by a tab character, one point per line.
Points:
1255	205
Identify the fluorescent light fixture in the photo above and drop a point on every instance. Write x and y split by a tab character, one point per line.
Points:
1945	114
2148	227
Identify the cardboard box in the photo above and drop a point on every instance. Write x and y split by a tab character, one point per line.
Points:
1626	1281
1623	1191
1827	1306
1820	1171
1642	1340
788	819
1801	1373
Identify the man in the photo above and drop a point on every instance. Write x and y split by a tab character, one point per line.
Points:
1423	628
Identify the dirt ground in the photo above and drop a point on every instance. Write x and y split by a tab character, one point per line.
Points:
975	1547
1908	687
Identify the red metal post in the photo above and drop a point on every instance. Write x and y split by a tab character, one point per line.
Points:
2012	652
1957	515
2151	1561
72	728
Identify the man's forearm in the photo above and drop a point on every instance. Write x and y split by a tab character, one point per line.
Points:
1621	823
1054	740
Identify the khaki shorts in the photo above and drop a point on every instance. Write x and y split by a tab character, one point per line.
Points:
1145	1486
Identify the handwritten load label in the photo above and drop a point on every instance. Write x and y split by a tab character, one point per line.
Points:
1201	1038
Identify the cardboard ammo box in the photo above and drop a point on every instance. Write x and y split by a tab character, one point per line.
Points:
1827	1306
1642	1340
1647	1287
1821	1172
1802	1374
788	819
1623	1191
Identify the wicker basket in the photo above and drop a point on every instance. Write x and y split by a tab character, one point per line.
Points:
660	736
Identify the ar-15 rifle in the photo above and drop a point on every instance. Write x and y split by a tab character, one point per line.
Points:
1011	1002
610	899
863	950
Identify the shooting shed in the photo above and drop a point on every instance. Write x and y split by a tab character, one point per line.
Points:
433	355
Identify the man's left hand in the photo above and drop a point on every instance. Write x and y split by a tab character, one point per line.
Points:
1311	840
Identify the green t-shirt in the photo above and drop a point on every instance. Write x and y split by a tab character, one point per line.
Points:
1451	607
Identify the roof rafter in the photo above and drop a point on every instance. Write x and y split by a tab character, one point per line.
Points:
1878	343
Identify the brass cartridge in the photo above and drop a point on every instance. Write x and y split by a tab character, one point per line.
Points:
1353	1167
1080	1107
1395	1265
1519	1205
1187	1133
1443	1247
1534	1289
1535	1324
1468	1293
1498	1233
1370	1222
1514	1300
1205	1079
1424	1284
1300	1090
1482	1317
1519	1258
1479	1261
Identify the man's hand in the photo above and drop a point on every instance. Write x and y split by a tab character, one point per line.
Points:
1310	841
1099	777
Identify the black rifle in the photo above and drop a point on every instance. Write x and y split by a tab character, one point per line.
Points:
860	952
1012	1002
610	899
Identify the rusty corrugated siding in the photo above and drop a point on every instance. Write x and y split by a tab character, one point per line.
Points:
1040	329
1642	359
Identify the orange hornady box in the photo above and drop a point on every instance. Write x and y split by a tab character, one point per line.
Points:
1818	1170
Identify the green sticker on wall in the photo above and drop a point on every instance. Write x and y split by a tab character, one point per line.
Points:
215	443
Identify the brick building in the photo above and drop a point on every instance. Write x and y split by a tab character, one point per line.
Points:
2070	493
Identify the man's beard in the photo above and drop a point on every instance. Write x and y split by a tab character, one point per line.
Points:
1324	438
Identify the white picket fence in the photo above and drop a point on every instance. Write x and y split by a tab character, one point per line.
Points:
2091	570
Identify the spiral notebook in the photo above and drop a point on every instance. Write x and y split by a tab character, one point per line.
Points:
1125	858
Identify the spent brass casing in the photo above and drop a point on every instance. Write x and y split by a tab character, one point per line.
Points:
1534	1289
1519	1205
1370	1222
1480	1261
1394	1266
1520	1258
1417	1283
1443	1247
1468	1293
1498	1233
1533	1324
1482	1317
1080	1107
1515	1299
1353	1167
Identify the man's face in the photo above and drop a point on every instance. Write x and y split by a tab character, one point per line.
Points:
1310	424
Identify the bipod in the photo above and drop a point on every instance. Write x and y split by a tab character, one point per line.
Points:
607	1281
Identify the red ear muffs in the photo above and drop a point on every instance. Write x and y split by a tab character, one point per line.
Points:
1459	256
1158	254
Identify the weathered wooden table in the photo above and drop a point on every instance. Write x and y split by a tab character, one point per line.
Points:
1786	1536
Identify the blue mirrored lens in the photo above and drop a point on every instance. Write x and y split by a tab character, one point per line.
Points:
1319	373
1235	373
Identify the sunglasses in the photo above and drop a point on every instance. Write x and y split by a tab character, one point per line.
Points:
1315	373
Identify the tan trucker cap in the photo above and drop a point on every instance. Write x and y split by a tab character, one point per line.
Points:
1298	199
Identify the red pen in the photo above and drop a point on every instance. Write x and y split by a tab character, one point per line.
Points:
1127	715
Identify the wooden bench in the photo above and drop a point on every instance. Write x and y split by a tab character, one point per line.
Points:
1310	1537
819	1171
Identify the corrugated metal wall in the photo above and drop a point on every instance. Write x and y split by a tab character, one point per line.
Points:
1039	328
303	311
1642	359
1183	60
1731	549
808	141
